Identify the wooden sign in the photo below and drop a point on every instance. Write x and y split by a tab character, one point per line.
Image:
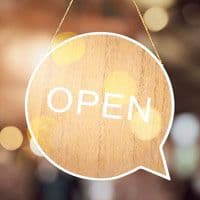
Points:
100	106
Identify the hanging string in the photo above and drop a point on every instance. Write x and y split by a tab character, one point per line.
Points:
62	20
146	29
138	11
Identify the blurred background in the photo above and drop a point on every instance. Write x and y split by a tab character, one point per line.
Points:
26	29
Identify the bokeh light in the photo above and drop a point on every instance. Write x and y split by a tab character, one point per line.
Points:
156	18
146	131
11	138
100	190
120	82
26	30
20	60
158	3
67	53
61	38
186	161
186	129
42	125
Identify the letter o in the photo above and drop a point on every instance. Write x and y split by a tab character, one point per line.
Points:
50	97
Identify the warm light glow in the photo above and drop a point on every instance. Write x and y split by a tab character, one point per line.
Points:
120	82
149	130
20	61
160	3
68	53
156	18
42	125
34	148
60	38
11	138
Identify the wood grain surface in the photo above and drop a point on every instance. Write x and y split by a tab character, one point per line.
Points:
87	144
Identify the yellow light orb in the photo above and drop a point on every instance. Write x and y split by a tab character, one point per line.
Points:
156	18
67	53
159	3
42	125
120	82
146	130
11	138
61	37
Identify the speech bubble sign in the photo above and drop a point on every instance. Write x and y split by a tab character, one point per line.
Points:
104	113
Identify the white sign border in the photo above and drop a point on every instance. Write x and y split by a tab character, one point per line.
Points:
165	176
